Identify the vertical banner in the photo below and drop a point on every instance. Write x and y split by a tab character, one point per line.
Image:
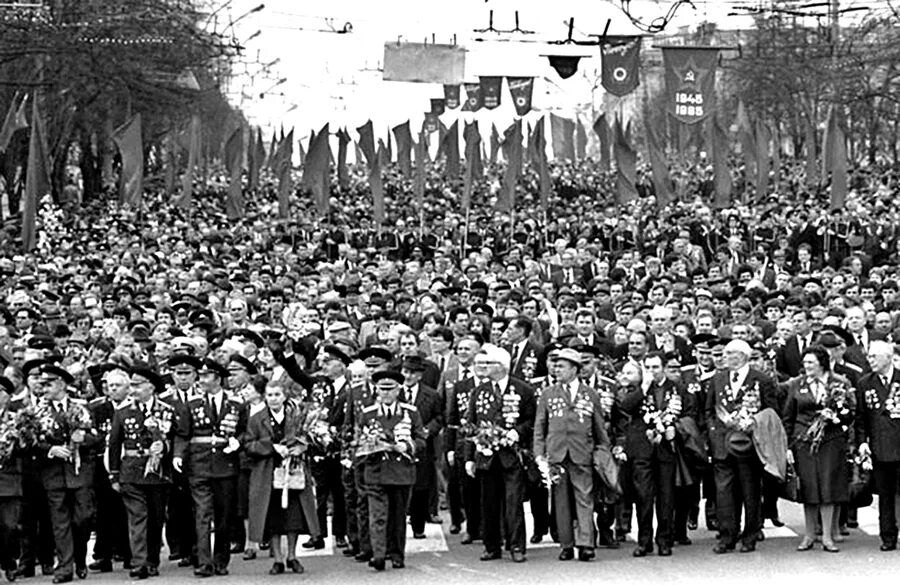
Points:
285	182
747	139
37	178
490	91
431	122
495	144
451	96
438	105
620	64
187	180
474	168
367	142
506	199
343	173
659	170
234	150
580	140
834	159
377	187
763	137
450	147
720	154
403	136
690	82
473	97
562	135
521	90
128	139
626	166
601	129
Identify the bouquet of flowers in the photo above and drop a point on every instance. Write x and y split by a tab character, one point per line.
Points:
28	426
77	418
9	436
373	438
834	408
661	423
488	438
311	427
156	428
750	404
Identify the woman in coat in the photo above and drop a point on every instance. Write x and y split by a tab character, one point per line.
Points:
817	418
269	440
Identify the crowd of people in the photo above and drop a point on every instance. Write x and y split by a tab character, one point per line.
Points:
177	381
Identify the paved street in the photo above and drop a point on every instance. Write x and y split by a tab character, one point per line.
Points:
441	559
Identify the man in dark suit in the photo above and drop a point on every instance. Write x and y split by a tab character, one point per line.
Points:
734	396
140	466
509	405
10	498
586	332
463	493
653	459
878	434
390	474
527	358
568	426
662	338
67	476
568	273
787	356
180	534
206	450
428	404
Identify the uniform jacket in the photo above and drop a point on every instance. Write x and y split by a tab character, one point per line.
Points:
428	405
634	404
58	473
357	399
486	404
530	362
386	468
456	406
564	427
196	424
130	438
874	424
719	396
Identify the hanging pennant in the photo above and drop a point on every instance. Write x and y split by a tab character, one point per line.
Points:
490	91
473	97
437	106
451	96
620	65
690	82
521	89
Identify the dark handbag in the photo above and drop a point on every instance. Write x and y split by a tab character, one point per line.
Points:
739	444
860	486
790	489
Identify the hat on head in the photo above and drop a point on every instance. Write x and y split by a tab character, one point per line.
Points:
251	336
214	367
841	334
568	354
51	369
829	339
7	384
583	348
387	378
244	363
336	352
413	363
185	360
376	352
184	344
144	371
32	365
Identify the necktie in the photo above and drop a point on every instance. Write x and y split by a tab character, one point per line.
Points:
214	409
465	374
515	356
801	343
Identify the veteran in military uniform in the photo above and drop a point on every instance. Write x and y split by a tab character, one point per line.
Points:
66	469
140	454
10	492
392	436
206	450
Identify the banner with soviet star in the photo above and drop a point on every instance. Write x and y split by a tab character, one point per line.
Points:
690	82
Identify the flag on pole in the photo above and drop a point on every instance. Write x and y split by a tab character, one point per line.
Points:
316	171
37	179
377	187
234	149
15	120
543	169
128	140
834	159
763	136
722	174
601	129
450	148
451	96
343	174
472	138
419	177
662	183
562	132
580	140
187	180
257	159
495	143
747	139
521	89
367	142
473	101
273	148
626	165
284	158
506	200
812	165
690	75
620	63
404	148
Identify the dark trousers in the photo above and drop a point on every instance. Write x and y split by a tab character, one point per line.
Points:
362	508
502	494
771	487
624	508
387	519
738	485
111	523
10	510
654	482
455	498
146	506
539	498
885	475
36	537
327	475
180	524
464	498
71	511
214	502
351	501
687	499
419	508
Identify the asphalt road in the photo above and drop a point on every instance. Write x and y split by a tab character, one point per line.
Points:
441	559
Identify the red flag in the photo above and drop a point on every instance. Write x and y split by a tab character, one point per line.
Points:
404	148
562	132
15	121
601	129
187	180
540	153
690	82
495	143
626	163
234	147
316	171
419	178
451	96
521	89
377	187
257	159
473	97
580	140
343	174
763	137
450	147
620	63
128	139
834	158
490	91
662	184
37	178
747	139
285	181
367	142
721	150
506	200
474	167
273	149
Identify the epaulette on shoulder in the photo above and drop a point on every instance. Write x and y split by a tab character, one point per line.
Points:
606	380
407	406
165	405
235	400
370	408
125	404
80	401
167	394
98	401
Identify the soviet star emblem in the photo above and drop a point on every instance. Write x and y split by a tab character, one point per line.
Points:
690	75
